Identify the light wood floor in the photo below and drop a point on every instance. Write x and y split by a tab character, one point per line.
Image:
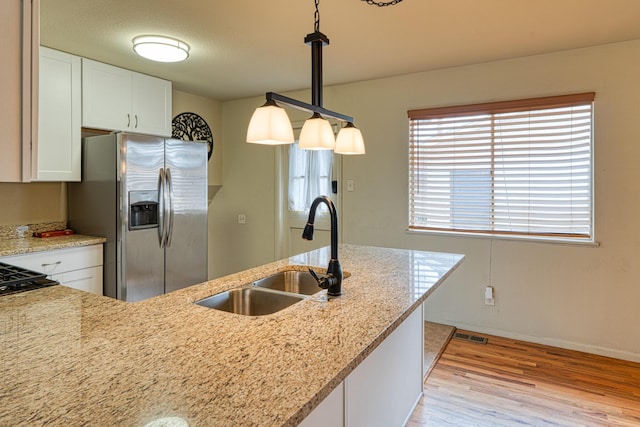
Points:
508	382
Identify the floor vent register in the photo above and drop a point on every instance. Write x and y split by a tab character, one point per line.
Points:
472	338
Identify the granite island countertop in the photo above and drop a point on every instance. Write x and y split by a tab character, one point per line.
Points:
72	358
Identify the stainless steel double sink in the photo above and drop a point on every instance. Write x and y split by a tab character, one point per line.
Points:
265	296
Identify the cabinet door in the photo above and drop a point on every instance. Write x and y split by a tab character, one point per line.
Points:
59	116
86	279
151	105
106	96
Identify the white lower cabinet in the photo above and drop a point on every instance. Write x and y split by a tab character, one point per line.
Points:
78	267
86	279
384	389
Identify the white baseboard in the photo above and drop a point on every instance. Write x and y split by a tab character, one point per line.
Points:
569	345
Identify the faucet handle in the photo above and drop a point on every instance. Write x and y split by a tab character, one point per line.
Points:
325	281
315	276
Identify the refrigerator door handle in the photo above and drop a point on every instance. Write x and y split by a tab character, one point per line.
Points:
169	232
161	208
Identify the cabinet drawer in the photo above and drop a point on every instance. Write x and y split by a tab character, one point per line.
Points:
59	260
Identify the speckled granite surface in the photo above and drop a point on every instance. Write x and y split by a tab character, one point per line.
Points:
16	240
20	231
90	360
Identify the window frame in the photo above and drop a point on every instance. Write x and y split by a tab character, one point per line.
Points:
492	109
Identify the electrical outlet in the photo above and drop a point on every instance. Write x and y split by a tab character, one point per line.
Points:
489	297
242	218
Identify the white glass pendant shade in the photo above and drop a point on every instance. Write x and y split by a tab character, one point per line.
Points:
161	49
317	134
270	125
349	140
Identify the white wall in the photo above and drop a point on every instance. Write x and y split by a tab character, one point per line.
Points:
571	296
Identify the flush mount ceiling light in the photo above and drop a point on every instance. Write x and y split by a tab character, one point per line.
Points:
160	48
270	123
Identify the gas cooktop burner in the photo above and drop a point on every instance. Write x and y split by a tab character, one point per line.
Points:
17	279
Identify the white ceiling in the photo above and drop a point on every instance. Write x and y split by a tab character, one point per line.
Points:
242	48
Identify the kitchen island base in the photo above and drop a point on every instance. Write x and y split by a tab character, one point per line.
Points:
384	389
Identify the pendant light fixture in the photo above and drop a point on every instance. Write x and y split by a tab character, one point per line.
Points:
349	140
270	123
317	134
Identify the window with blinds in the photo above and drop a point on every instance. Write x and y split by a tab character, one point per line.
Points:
520	168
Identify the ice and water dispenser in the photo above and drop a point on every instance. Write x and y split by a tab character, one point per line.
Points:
143	209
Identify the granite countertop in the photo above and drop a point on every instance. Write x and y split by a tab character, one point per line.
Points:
27	245
18	240
72	358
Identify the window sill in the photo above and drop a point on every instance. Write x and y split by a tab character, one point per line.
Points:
529	239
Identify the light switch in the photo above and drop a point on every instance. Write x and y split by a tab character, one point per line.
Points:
242	218
349	185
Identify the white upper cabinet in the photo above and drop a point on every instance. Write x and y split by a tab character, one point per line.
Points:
151	105
18	41
106	96
59	140
117	99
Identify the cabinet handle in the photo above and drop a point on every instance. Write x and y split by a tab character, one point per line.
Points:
128	119
52	263
79	279
136	126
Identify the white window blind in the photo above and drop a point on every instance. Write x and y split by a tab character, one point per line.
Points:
516	167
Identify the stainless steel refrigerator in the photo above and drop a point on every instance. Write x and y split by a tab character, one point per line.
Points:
148	196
